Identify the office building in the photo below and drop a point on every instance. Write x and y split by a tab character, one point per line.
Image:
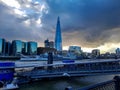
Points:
32	48
95	53
75	49
25	48
46	43
17	47
8	49
58	37
51	44
117	51
2	46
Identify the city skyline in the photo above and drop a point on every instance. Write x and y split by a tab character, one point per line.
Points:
89	24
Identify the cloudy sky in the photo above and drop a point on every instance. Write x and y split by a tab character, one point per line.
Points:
86	23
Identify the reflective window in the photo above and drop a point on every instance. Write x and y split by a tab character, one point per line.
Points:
32	47
1	41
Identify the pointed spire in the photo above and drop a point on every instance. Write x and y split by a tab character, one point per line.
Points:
58	37
58	19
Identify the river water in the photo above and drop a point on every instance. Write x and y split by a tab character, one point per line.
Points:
60	84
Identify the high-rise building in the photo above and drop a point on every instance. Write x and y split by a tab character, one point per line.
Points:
46	43
32	48
8	49
16	47
58	37
2	46
25	48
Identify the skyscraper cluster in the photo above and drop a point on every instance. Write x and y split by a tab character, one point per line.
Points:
17	47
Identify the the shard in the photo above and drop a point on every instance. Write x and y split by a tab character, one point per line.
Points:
58	37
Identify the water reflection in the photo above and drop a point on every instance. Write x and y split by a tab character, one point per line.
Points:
60	84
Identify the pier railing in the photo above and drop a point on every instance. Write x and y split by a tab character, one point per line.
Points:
113	84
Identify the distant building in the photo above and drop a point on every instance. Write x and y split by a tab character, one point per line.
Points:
75	49
32	48
17	47
46	43
117	52
43	50
49	44
25	48
58	37
2	46
8	49
95	53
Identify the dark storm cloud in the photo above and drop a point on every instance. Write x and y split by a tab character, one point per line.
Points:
91	17
11	27
89	23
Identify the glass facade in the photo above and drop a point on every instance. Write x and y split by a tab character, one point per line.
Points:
58	38
17	47
1	43
2	46
32	48
24	48
8	48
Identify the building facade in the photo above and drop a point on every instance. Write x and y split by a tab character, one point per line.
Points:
95	53
51	44
32	48
8	49
43	50
48	44
17	47
58	37
2	46
75	49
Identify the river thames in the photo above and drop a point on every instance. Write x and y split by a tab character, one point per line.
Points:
60	84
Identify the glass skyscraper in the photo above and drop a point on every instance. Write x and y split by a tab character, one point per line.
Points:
2	46
58	37
32	48
17	47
